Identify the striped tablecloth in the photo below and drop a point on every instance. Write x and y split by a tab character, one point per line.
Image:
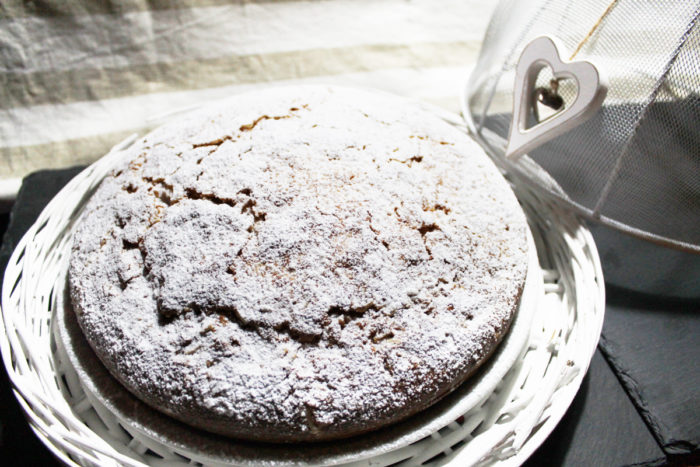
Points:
80	75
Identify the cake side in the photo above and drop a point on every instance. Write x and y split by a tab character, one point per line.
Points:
299	264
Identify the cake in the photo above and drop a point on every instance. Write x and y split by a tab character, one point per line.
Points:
298	264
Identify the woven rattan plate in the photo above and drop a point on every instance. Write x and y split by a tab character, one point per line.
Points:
501	416
167	434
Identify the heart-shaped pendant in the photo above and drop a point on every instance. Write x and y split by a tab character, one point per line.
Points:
591	87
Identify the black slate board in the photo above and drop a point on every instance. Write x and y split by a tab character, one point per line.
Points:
653	344
37	190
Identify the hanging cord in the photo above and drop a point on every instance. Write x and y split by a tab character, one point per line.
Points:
593	29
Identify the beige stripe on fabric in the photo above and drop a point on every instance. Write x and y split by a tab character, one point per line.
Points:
19	161
27	126
99	84
67	134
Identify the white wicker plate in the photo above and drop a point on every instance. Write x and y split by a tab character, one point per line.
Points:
506	421
167	435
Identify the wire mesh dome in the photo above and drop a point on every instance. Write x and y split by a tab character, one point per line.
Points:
635	164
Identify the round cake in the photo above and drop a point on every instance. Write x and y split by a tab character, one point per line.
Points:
299	264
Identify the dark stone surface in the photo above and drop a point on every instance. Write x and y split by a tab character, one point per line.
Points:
653	344
37	190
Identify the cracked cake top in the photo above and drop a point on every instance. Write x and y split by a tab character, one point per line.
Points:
299	264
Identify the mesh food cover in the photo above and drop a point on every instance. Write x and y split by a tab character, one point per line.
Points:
635	164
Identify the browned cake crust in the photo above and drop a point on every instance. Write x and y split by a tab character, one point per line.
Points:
299	264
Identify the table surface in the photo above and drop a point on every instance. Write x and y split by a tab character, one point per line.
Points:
638	404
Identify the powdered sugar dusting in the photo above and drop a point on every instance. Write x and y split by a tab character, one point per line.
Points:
299	264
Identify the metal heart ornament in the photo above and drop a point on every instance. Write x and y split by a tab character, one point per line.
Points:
591	91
